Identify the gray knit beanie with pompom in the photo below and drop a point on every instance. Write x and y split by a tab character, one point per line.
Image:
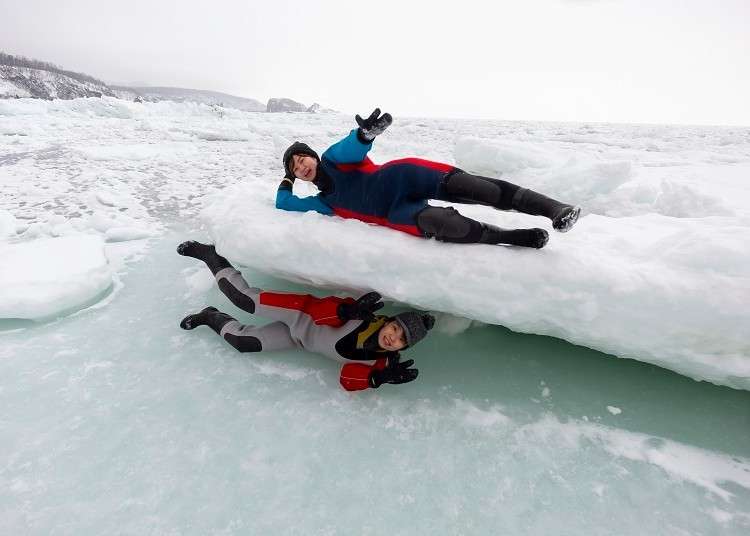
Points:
416	325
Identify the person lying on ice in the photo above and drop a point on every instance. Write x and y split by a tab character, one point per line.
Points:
395	194
341	328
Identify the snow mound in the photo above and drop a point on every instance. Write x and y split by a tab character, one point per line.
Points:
48	276
7	224
668	291
602	185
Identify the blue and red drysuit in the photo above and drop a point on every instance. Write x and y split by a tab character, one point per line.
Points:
395	195
352	186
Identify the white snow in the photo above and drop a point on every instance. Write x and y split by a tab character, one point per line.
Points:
45	277
7	224
614	410
122	234
706	469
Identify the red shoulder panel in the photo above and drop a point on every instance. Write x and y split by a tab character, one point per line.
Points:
365	166
322	310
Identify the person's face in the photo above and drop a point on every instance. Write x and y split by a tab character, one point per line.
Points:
391	337
304	167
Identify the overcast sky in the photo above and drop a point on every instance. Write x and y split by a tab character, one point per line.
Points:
661	61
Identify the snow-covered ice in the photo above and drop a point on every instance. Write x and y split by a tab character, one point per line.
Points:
116	421
657	269
45	277
7	224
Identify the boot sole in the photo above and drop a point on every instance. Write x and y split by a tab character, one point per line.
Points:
543	242
187	322
567	222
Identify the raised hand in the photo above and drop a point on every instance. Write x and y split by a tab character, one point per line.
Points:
362	309
372	126
395	373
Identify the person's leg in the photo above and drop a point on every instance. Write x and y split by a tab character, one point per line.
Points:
230	281
448	225
244	338
273	336
563	216
206	253
286	307
462	187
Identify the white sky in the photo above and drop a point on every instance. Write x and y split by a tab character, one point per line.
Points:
660	61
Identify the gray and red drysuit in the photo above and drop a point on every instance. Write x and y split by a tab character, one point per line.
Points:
307	322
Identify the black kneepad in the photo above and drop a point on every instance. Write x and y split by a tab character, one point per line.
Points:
447	225
247	343
235	296
466	187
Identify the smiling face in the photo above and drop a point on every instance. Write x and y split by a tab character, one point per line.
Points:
391	337
304	167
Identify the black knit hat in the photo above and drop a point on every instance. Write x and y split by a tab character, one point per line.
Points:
416	325
296	148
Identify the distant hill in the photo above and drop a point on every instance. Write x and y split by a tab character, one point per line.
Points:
285	105
155	94
281	104
24	77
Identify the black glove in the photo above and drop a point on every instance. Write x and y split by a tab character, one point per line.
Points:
362	309
394	372
286	184
373	125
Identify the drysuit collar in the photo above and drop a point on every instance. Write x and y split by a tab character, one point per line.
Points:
323	181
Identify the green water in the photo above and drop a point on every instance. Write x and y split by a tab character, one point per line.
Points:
117	421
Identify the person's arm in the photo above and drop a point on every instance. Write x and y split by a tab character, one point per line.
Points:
286	200
350	150
329	311
354	148
358	376
323	311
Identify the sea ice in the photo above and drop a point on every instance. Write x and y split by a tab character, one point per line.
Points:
7	224
117	421
44	277
669	291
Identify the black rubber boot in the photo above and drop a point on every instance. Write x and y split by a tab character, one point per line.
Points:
210	316
530	238
206	253
530	202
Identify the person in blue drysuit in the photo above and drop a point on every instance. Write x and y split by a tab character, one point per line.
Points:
395	194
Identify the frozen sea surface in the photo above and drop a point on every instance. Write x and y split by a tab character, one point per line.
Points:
116	421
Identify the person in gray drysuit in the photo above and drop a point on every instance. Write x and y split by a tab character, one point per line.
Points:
344	329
